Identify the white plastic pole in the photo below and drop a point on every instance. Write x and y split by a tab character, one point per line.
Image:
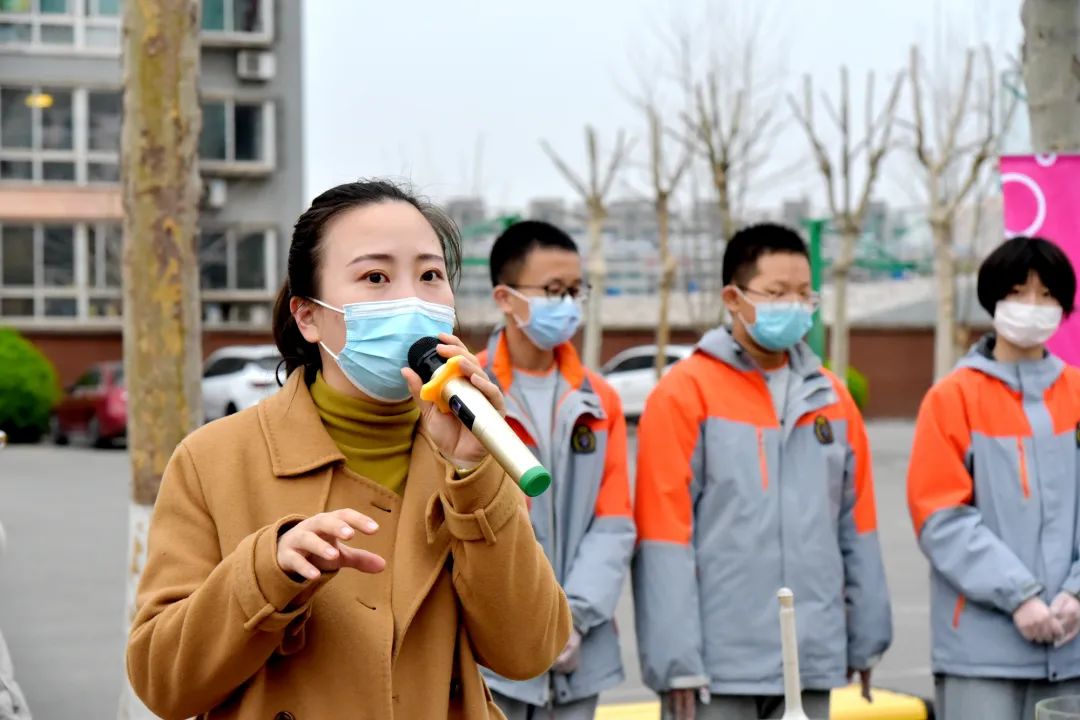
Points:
789	642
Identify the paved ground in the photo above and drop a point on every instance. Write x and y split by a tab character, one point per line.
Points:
62	580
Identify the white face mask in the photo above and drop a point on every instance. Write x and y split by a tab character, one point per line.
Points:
1026	325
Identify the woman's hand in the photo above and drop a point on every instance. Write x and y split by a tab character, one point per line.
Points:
455	442
317	545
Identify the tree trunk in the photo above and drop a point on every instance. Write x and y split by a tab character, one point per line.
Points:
945	337
840	338
1052	73
597	272
667	282
162	342
727	229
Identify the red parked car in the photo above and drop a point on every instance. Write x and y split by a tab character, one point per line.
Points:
94	408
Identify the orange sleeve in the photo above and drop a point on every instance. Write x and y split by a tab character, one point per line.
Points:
614	496
865	510
938	477
667	438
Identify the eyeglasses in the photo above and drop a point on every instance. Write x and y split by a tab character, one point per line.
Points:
556	291
811	298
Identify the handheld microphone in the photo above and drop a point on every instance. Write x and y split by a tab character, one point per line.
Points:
451	392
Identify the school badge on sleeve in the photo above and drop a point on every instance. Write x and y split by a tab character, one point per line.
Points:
823	430
583	441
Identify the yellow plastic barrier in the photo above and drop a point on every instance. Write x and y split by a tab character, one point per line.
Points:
846	704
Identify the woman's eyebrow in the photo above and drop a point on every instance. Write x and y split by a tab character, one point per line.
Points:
430	257
381	257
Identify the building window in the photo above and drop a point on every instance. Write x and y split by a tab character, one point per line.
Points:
38	270
236	21
237	137
235	260
72	272
44	23
57	135
38	134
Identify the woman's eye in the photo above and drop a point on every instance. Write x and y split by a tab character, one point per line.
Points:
431	276
376	277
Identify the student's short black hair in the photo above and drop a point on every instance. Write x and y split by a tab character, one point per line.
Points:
1010	264
517	241
749	244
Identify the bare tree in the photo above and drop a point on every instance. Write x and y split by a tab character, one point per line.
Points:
1051	63
847	206
951	169
664	184
594	194
162	341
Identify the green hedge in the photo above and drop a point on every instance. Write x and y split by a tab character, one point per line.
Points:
858	386
28	388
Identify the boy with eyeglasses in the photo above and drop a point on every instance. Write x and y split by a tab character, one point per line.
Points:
573	421
754	474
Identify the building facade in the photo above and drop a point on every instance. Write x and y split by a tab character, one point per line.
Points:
61	110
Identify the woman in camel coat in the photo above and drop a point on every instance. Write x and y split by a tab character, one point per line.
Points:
344	550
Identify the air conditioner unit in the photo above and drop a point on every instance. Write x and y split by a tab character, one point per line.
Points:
255	65
215	193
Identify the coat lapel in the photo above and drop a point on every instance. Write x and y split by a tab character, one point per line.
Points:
419	555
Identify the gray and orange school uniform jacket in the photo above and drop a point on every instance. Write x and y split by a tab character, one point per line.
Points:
993	495
732	504
584	521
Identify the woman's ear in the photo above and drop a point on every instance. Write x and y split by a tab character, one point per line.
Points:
304	314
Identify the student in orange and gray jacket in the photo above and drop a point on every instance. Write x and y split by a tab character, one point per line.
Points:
993	495
573	421
754	474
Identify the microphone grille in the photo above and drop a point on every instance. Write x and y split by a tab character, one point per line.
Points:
418	352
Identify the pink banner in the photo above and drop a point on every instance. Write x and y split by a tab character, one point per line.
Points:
1041	197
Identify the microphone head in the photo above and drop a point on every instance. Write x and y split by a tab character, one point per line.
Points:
424	358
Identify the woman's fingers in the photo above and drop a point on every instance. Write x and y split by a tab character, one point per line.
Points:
361	560
490	390
310	543
291	561
357	520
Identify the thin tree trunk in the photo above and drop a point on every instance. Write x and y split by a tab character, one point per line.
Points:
945	337
1052	73
727	229
840	337
162	343
667	282
597	272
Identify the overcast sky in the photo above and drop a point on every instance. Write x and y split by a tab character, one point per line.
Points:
455	96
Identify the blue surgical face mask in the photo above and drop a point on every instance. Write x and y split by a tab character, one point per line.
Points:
378	336
552	321
779	325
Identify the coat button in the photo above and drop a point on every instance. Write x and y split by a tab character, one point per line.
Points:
284	716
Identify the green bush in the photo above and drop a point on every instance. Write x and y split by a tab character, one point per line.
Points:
28	388
858	386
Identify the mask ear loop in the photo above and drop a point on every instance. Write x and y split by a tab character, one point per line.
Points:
520	323
329	352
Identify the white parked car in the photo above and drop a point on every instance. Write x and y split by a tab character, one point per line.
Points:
633	374
237	377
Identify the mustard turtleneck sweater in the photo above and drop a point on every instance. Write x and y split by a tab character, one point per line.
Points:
375	438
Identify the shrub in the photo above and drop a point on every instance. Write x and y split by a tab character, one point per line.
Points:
28	388
858	386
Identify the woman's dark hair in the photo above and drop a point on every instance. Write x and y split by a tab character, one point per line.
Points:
305	254
1011	263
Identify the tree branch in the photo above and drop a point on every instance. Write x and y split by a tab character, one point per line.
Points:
564	170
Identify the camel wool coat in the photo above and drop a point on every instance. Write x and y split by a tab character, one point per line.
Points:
222	632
